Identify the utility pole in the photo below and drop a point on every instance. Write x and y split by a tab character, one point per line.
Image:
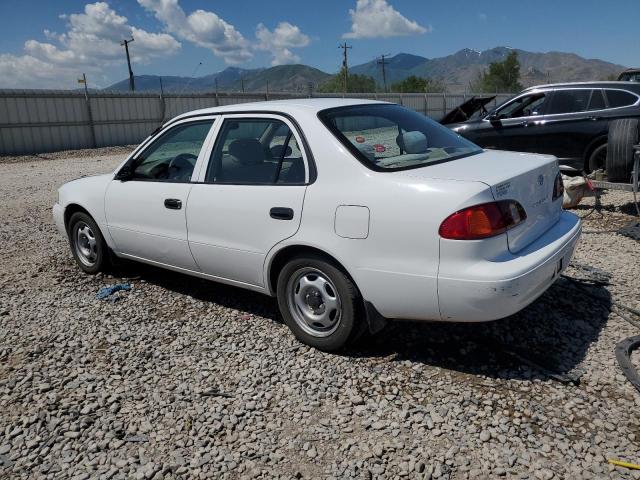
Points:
125	44
345	64
242	83
384	71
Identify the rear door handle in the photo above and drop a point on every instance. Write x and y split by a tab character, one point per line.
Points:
595	119
173	203
281	213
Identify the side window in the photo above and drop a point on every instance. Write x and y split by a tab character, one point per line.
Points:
261	151
597	100
569	101
171	158
620	98
526	106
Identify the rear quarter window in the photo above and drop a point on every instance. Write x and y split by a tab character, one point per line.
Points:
620	98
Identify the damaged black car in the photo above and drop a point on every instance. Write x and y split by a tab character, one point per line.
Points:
571	121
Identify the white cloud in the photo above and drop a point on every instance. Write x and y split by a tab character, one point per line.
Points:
376	18
280	41
91	45
482	16
203	28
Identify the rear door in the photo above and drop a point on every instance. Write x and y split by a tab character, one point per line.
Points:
574	118
146	213
249	196
514	126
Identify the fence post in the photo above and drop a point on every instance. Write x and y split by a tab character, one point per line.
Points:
163	105
444	103
89	114
426	105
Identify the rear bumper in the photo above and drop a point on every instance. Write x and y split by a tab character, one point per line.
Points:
497	288
58	218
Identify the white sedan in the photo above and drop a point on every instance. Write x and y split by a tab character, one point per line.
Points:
351	212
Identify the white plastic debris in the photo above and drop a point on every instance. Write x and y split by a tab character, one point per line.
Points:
575	189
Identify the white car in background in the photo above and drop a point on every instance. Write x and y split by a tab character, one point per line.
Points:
351	212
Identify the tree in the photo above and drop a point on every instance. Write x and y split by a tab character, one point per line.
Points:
355	84
414	84
500	77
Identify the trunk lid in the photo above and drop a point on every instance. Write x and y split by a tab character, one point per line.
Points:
465	110
524	177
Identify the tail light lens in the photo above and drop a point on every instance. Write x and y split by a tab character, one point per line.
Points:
483	221
558	187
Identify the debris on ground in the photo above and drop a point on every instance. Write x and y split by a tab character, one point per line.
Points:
105	292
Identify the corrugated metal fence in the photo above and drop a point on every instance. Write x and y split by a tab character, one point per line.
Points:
35	121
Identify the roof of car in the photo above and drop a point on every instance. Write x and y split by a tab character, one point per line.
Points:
635	86
285	106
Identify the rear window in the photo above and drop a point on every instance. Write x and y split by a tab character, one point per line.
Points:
391	137
620	98
569	101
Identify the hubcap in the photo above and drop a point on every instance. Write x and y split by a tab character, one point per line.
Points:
85	244
314	302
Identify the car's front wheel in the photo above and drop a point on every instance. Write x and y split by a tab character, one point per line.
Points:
87	244
319	303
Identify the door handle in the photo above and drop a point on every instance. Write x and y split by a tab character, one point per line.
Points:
281	213
525	123
595	119
173	203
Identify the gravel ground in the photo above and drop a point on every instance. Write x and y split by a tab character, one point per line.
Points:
180	377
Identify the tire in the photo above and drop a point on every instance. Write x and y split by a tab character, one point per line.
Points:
597	159
623	135
309	289
87	244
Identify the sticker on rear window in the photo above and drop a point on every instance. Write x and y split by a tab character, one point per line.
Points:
360	139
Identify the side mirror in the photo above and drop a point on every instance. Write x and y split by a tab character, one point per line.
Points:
494	117
125	173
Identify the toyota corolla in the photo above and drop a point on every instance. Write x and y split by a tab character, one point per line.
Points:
350	212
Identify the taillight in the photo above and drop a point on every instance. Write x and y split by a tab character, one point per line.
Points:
482	221
558	187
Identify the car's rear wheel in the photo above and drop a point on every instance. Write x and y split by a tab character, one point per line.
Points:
87	243
319	303
623	135
598	158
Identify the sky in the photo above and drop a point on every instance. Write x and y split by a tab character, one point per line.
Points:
50	43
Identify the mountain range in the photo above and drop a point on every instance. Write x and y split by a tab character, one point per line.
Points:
456	71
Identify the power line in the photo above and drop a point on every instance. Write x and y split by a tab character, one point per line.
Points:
383	62
345	64
125	44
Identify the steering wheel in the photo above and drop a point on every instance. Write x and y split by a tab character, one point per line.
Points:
181	166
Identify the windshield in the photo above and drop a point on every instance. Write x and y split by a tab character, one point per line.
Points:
391	137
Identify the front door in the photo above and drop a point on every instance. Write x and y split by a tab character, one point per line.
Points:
249	198
146	210
515	125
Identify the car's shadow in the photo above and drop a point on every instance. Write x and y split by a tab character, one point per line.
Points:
548	339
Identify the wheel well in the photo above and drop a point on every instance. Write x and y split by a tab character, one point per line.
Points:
592	146
70	210
283	256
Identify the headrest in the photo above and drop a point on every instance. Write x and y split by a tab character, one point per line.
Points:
412	142
248	151
276	151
